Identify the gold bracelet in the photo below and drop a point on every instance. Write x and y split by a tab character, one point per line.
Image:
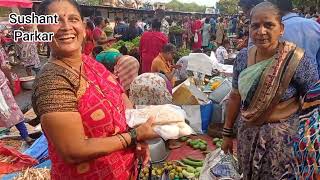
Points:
123	145
124	140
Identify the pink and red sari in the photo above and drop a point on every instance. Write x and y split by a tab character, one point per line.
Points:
151	44
196	26
103	114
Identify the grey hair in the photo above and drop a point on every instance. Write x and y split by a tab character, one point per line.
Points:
267	5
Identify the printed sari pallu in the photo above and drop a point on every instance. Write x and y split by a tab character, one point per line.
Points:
262	85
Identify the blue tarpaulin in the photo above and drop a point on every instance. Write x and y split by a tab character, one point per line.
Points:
39	149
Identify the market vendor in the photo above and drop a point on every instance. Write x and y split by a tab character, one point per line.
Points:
150	45
99	35
163	63
124	67
268	81
82	107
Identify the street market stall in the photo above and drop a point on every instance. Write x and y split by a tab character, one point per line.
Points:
194	119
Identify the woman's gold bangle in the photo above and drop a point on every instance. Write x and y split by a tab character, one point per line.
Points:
120	139
124	140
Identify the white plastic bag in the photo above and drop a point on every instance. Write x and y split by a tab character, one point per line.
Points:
164	114
200	62
166	128
196	38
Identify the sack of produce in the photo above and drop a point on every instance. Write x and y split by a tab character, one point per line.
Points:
169	120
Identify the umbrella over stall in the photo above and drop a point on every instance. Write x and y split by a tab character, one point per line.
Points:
16	3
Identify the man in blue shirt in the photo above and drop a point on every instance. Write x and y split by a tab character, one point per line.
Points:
213	25
305	33
121	28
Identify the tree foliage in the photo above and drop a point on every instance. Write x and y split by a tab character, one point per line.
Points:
306	3
91	2
228	6
176	5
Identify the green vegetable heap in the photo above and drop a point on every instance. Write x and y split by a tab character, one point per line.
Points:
182	52
129	44
176	30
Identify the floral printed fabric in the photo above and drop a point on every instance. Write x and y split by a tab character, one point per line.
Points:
29	54
265	152
149	89
306	143
16	116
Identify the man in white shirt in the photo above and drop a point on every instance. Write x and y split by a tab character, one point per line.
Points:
160	14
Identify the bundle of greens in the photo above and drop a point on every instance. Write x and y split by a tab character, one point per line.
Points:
176	30
130	45
182	52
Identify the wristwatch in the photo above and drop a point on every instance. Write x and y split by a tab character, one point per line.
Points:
133	135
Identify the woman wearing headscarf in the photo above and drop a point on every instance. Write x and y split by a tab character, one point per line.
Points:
268	81
82	107
151	89
124	67
151	43
108	58
126	70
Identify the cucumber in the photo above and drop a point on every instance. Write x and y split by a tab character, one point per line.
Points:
192	163
203	141
194	160
189	142
183	139
190	169
196	146
203	147
188	175
219	144
197	174
215	140
192	143
198	169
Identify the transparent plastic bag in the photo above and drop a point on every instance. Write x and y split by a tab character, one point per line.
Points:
218	166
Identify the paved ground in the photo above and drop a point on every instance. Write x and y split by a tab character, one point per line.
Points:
24	98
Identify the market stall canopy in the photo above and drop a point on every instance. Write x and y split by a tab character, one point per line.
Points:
16	3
